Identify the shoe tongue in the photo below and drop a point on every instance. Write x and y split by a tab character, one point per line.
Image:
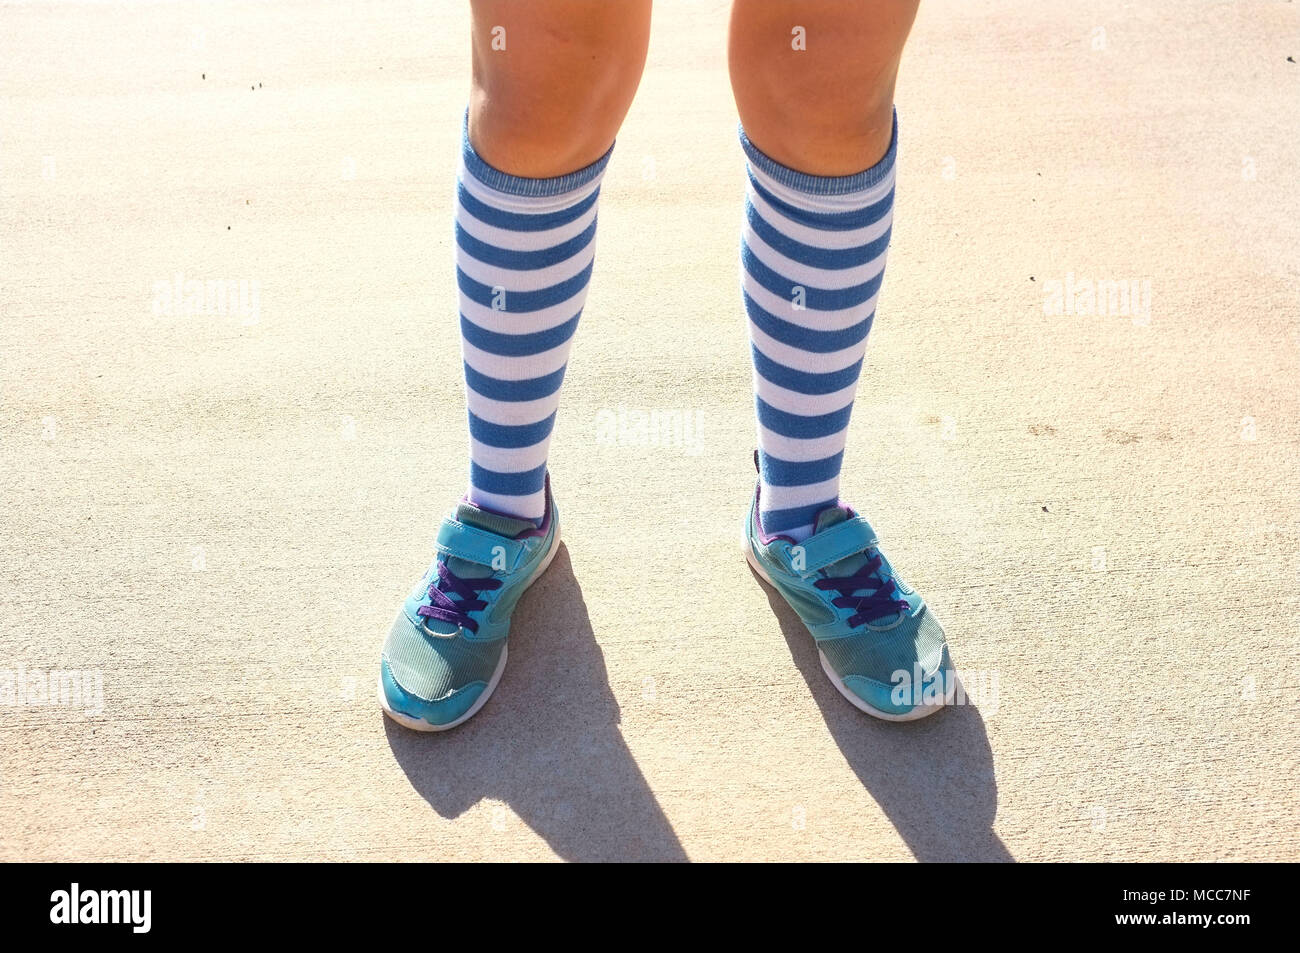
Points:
496	523
849	565
499	523
833	516
829	517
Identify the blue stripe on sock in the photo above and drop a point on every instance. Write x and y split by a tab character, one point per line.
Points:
524	260
799	472
798	426
776	522
815	299
522	221
509	437
811	255
517	345
803	382
495	388
796	226
831	221
522	302
507	484
806	339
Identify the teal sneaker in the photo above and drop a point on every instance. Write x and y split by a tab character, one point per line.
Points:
879	643
446	649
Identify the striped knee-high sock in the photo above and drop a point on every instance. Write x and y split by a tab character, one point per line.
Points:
524	253
812	260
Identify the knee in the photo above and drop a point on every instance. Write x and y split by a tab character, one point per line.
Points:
816	92
549	98
807	126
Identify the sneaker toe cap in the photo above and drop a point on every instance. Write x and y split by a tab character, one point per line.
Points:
895	671
435	678
439	712
901	699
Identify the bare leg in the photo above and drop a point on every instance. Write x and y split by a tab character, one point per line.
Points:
825	108
553	80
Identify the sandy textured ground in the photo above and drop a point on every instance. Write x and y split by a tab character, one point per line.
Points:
218	513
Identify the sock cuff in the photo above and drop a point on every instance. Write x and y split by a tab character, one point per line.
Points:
520	185
823	184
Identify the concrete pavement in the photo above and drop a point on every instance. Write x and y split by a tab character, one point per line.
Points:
212	516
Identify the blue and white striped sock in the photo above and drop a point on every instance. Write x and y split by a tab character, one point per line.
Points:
524	253
812	260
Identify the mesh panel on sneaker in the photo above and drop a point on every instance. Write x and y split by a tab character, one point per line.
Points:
877	655
432	668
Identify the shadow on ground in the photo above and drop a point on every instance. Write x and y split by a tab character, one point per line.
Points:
933	778
549	746
548	742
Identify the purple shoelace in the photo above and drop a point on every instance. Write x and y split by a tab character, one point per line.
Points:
456	612
882	599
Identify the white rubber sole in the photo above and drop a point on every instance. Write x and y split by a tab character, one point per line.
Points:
419	724
917	713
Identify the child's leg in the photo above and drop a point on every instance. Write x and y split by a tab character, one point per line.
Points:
552	82
814	84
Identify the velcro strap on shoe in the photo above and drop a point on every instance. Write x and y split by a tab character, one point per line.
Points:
830	546
478	546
